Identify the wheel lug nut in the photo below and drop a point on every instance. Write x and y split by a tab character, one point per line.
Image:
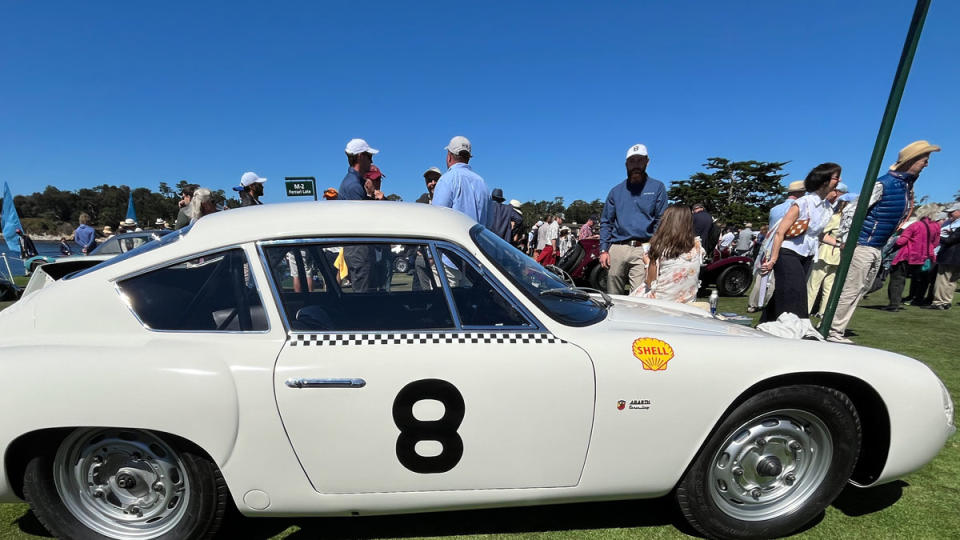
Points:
790	479
761	442
738	471
795	446
98	494
97	459
158	487
135	510
755	493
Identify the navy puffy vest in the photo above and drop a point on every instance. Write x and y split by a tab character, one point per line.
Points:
884	216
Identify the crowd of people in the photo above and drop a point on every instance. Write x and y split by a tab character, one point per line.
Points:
655	250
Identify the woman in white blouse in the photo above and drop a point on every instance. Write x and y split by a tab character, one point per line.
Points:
796	240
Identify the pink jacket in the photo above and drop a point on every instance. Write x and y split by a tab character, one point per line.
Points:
918	241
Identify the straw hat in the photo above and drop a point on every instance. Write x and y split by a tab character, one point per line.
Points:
913	151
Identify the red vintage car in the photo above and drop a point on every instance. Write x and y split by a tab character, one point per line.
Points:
731	275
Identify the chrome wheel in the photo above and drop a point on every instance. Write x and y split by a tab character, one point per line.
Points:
121	483
770	465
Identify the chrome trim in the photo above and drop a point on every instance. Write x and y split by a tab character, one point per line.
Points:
325	383
432	243
447	291
349	239
122	296
496	283
278	305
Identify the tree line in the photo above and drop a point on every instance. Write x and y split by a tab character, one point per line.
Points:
56	211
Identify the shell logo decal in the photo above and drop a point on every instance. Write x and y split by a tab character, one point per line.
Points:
653	352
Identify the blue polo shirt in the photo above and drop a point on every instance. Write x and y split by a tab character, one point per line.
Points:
632	212
465	191
351	189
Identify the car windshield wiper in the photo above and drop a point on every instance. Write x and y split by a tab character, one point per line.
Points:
566	292
607	301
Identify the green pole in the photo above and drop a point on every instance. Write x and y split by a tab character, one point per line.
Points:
883	137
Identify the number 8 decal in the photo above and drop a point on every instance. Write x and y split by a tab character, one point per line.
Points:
443	430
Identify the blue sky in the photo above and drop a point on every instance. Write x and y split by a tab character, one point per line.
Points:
551	94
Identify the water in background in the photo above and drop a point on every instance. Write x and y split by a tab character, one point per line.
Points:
51	249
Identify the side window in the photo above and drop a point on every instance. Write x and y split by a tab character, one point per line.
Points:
109	247
478	302
358	286
210	293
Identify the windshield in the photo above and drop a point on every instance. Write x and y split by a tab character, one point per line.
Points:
143	248
560	301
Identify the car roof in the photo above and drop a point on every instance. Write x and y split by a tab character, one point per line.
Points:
327	218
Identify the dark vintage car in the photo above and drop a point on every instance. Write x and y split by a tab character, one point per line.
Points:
731	275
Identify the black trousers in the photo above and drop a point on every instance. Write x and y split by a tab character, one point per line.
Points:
790	294
898	279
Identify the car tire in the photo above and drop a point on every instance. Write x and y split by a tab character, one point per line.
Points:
171	492
401	265
598	277
773	464
734	281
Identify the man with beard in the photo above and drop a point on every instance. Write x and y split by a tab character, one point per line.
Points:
891	203
250	188
430	178
630	217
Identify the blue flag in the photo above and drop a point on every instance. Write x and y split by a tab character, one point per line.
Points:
11	221
131	213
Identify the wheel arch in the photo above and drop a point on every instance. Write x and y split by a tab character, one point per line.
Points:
23	448
874	417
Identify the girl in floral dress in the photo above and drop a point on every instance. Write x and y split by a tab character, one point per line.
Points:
674	259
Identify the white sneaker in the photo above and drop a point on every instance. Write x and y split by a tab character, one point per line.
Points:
839	339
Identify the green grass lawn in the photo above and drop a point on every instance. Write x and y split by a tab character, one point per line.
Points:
925	504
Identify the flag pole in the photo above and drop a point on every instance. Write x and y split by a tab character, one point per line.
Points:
879	147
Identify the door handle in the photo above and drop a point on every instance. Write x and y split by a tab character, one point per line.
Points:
325	383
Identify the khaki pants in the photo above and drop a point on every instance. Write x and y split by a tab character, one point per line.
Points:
822	275
947	276
863	269
626	264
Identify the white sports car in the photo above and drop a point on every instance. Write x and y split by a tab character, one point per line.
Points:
273	358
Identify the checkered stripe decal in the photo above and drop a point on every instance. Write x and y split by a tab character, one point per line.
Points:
307	340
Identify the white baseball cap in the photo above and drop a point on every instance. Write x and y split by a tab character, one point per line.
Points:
433	169
459	144
359	146
249	178
637	150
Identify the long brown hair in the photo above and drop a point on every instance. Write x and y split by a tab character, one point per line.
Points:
675	235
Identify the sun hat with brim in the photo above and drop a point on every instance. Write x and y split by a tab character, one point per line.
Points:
107	229
129	222
952	208
913	151
796	185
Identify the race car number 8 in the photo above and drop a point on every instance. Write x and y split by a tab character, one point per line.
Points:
443	430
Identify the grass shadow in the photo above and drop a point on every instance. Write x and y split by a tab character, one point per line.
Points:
855	501
552	518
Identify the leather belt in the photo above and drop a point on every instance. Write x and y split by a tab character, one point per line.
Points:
633	242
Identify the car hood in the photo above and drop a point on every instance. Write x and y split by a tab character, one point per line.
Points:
629	313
